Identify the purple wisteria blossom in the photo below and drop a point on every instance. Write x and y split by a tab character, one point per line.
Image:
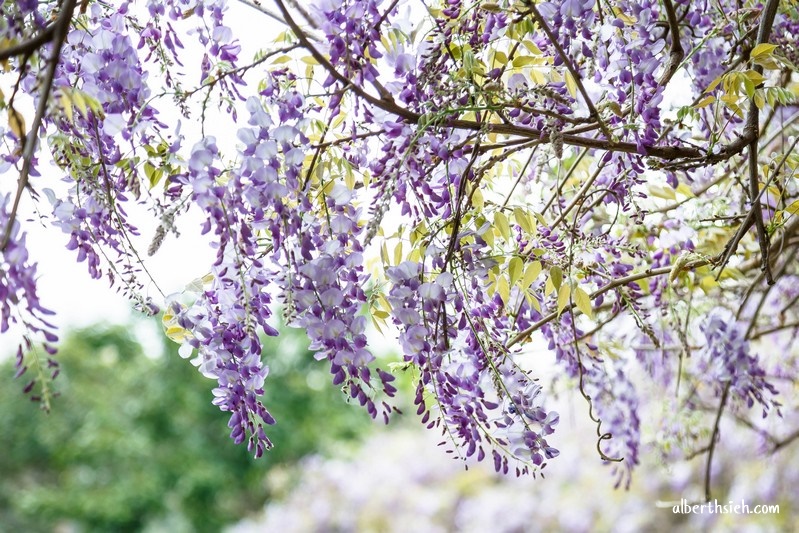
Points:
728	364
489	184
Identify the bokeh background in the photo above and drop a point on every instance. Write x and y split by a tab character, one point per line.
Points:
134	444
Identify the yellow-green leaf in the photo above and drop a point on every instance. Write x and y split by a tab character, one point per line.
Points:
523	220
531	46
713	84
531	274
515	269
708	283
66	105
177	334
548	287
556	275
17	123
384	253
755	77
763	49
398	253
563	297
521	61
685	190
533	301
501	223
571	85
80	103
662	192
488	237
477	200
503	289
706	101
583	302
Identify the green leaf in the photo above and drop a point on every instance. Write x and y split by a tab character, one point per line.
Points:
548	287
583	302
524	220
398	253
503	289
563	297
501	223
515	269
149	172
556	275
706	101
763	49
531	274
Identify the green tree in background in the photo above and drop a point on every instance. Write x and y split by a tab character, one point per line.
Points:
133	442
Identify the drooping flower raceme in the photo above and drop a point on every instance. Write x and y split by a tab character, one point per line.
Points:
481	176
726	362
20	305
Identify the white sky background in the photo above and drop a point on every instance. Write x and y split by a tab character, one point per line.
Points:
64	285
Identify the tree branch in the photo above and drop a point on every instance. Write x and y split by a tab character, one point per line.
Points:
676	52
714	438
569	138
578	80
753	126
61	26
524	334
784	442
31	45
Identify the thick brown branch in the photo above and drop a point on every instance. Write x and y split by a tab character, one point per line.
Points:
757	212
676	52
685	155
753	128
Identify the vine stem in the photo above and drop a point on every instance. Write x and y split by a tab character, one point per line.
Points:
58	35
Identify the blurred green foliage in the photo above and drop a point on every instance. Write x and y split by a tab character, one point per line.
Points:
133	442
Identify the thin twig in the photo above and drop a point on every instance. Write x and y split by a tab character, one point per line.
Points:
31	45
61	25
578	80
784	442
714	438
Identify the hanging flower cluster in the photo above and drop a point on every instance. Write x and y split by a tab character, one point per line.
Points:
727	363
486	178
